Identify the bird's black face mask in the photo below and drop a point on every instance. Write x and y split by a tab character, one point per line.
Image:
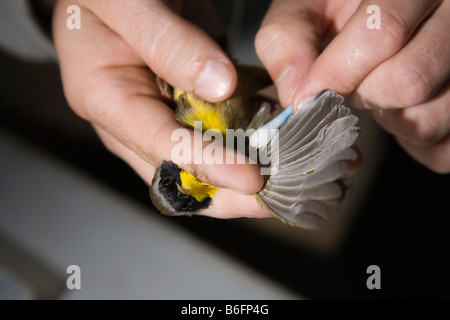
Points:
166	195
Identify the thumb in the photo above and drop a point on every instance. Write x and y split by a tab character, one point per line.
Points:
173	48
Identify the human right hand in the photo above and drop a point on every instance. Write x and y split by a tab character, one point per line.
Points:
108	71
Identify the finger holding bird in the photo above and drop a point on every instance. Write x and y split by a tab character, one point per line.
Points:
315	153
233	113
234	170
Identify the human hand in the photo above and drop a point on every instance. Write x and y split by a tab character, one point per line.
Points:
108	71
401	71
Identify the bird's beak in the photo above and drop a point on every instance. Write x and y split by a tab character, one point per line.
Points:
181	189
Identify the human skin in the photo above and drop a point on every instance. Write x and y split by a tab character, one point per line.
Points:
400	72
108	69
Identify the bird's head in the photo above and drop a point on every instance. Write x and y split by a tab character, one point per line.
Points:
176	192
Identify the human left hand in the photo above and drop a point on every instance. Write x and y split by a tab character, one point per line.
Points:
401	72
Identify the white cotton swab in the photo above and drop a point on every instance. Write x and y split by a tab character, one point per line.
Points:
265	133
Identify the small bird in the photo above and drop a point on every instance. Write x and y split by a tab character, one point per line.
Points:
313	151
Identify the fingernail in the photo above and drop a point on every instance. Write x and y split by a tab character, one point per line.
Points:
286	83
214	81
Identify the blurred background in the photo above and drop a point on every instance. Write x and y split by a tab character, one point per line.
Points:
65	200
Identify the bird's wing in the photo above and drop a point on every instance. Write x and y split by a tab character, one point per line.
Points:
263	115
311	156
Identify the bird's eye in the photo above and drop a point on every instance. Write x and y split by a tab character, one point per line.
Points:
184	207
166	181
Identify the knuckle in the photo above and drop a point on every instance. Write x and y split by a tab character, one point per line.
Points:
438	161
266	35
397	30
107	142
161	42
435	157
441	167
75	100
173	52
100	99
418	128
410	82
277	34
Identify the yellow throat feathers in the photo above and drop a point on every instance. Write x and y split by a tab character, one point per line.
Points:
211	115
199	190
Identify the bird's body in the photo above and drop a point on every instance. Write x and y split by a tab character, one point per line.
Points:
185	194
314	151
233	113
216	116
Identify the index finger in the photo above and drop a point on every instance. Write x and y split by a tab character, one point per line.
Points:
359	48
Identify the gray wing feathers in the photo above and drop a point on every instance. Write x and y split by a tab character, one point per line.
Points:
332	172
261	116
314	153
321	192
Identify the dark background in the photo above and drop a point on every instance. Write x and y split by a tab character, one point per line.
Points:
402	226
